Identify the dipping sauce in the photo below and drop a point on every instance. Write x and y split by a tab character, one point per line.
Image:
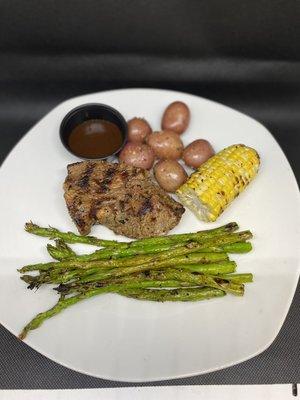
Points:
95	138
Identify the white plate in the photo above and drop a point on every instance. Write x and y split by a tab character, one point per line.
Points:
123	339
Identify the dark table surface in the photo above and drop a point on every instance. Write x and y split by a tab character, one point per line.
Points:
245	55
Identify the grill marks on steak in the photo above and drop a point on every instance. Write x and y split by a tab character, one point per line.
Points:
121	197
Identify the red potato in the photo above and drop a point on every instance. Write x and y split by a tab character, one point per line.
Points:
166	145
176	117
197	152
138	130
170	175
138	155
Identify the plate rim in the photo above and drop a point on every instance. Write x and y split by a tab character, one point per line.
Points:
262	348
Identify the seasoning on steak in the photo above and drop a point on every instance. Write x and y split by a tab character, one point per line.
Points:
121	197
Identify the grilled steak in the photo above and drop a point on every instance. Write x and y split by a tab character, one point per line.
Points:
119	196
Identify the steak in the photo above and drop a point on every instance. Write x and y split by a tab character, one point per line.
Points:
120	197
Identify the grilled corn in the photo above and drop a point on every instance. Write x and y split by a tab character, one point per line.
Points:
219	180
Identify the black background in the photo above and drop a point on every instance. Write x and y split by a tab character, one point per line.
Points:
244	54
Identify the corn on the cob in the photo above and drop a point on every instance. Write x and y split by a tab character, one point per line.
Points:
219	180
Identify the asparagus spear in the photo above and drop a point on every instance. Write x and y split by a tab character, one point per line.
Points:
50	277
96	274
114	253
237	278
221	267
142	259
183	278
57	276
60	251
186	237
70	237
191	294
213	264
104	254
196	279
122	262
213	269
136	268
220	284
239	247
77	288
69	301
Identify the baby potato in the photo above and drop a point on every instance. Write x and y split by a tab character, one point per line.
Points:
176	117
166	145
170	175
197	152
138	130
138	155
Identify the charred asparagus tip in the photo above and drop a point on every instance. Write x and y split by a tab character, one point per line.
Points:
29	226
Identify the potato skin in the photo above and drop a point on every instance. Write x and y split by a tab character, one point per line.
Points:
176	117
138	155
170	175
166	145
197	152
138	130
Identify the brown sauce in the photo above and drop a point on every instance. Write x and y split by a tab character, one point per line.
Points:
95	138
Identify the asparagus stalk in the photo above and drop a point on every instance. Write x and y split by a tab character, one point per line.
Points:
142	259
196	279
196	264
104	254
54	276
239	247
191	294
237	278
213	263
69	301
96	274
109	254
60	251
50	277
182	277
186	237
77	288
70	237
122	262
221	267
